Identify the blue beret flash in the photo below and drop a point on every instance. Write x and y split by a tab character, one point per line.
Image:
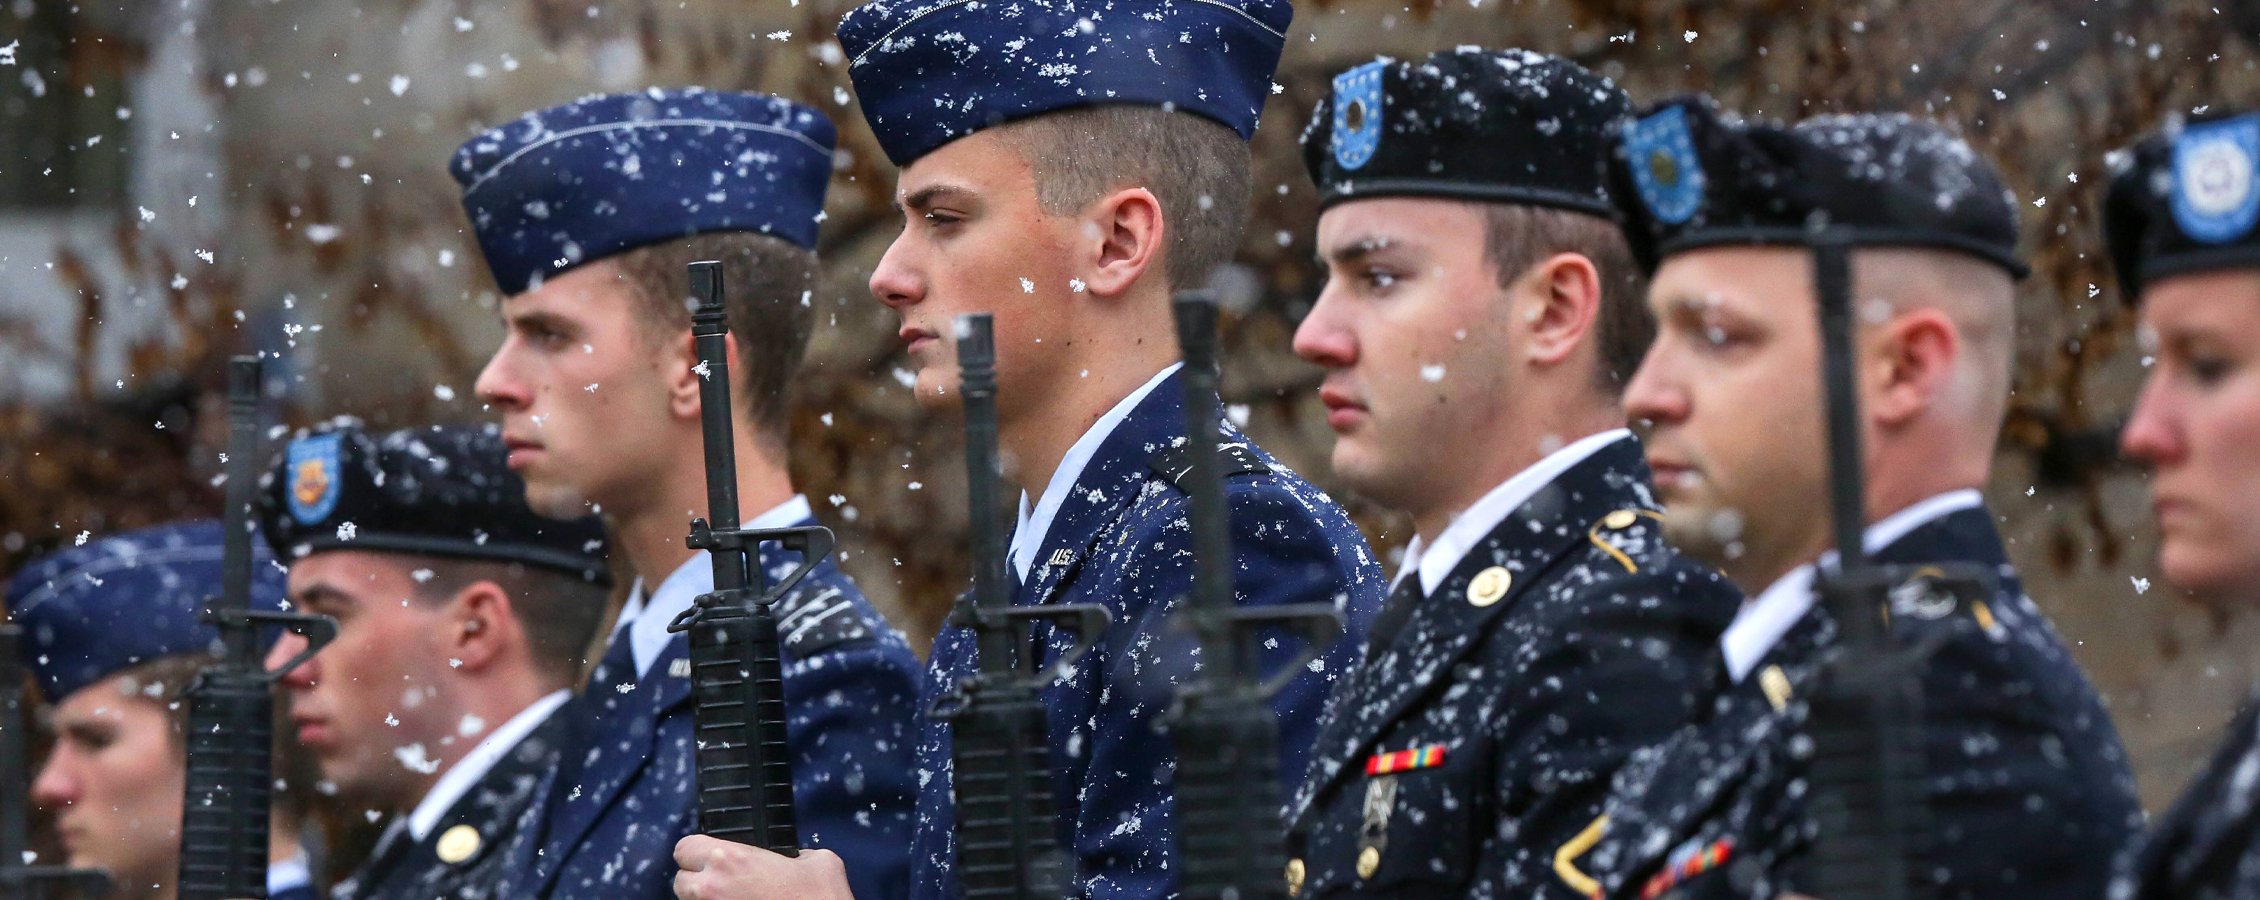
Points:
931	71
601	175
2185	199
92	611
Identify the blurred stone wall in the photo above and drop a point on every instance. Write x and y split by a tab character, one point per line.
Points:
314	135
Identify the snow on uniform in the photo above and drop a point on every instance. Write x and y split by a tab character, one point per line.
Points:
561	187
2029	789
1121	539
1548	632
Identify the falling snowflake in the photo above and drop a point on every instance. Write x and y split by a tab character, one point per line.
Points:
399	85
83	535
1027	286
346	531
2141	585
1432	374
443	392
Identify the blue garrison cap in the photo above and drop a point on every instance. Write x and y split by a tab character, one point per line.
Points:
92	611
931	71
602	175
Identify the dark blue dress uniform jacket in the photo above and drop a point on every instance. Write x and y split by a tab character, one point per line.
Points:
625	789
402	868
1121	540
2208	846
2030	793
1536	698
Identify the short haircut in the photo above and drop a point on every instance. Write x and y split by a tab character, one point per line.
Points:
557	610
1518	236
1197	168
766	289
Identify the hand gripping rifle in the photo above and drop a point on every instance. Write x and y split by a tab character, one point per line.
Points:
19	878
1230	839
1867	779
745	772
1007	848
231	706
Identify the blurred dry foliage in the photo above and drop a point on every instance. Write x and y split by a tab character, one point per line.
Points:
336	118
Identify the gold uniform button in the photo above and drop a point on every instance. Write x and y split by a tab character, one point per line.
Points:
1776	685
1620	520
1294	877
1489	585
1369	862
457	844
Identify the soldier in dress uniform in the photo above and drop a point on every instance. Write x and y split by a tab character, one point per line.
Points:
1065	169
2028	788
112	636
462	621
2180	218
588	215
1481	315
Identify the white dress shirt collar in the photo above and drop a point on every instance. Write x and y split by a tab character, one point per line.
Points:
1475	523
1765	618
1028	535
475	765
646	617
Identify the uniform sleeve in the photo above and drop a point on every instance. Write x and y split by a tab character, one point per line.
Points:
1618	668
854	709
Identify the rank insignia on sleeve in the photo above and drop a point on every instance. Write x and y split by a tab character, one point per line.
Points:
1660	152
314	486
1357	115
1427	757
2215	199
1691	859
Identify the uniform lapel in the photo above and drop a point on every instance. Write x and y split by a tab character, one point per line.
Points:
1443	627
1107	487
608	757
627	754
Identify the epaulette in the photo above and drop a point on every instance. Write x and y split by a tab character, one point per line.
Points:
816	617
1175	463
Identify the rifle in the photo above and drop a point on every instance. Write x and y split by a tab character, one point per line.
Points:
1230	840
19	878
1868	774
231	706
1007	848
745	771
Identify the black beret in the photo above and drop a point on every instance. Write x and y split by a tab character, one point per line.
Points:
2185	200
1686	177
436	491
1507	125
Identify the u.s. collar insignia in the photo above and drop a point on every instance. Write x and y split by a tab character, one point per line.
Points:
314	483
1660	151
1357	114
2215	200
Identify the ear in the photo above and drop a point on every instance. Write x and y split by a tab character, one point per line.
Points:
684	378
1563	299
1127	235
482	628
1910	365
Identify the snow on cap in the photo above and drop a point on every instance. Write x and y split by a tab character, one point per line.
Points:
1685	176
931	71
434	491
576	183
94	610
2185	199
1508	126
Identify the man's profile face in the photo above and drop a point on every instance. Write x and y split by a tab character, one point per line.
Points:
581	385
369	706
2197	427
974	239
115	780
1728	398
1413	330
